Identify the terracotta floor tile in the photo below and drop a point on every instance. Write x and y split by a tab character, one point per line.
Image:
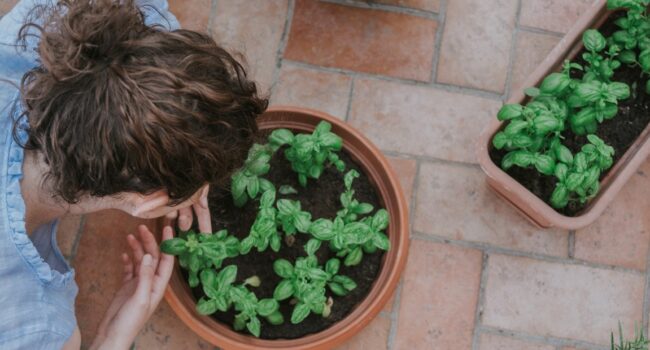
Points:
323	91
374	336
621	236
406	171
553	15
439	297
98	266
453	201
253	28
531	50
67	233
420	120
192	14
369	41
559	300
425	5
6	6
499	342
475	48
166	331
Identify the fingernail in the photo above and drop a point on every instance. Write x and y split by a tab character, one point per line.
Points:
182	220
147	260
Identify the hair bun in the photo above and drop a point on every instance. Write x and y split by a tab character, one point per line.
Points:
79	37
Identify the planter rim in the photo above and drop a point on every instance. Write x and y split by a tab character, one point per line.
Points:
528	204
391	194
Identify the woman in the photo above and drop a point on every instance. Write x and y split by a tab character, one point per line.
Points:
106	104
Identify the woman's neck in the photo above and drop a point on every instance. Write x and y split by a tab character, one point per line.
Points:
40	206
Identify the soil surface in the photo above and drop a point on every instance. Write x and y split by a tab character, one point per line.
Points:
321	199
620	132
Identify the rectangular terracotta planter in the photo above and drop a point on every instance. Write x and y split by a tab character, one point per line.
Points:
535	209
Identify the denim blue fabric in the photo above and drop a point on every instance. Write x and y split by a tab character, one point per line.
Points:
37	287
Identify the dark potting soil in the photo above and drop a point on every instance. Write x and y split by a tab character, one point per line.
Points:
620	132
321	199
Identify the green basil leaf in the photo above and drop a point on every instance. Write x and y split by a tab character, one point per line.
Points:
627	57
283	290
584	117
516	126
275	243
574	180
555	83
227	276
561	171
287	207
206	307
300	312
545	124
266	185
302	221
222	303
345	281
337	289
254	326
332	266
563	154
349	177
380	220
363	208
267	199
532	91
280	137
174	246
501	140
266	307
619	90
240	322
238	184
315	171
275	318
590	91
354	257
322	229
381	241
253	187
544	164
593	40
312	246
560	196
246	244
331	140
644	60
510	111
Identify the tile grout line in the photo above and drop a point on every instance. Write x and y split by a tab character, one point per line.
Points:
492	249
77	238
491	95
429	159
350	95
394	314
572	244
513	53
646	296
213	10
387	8
539	339
438	40
283	44
478	315
540	31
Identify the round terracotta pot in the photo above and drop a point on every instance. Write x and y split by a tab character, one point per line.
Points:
375	165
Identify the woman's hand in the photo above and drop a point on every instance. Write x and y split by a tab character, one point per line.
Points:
184	217
146	274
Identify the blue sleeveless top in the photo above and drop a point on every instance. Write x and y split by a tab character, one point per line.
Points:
37	287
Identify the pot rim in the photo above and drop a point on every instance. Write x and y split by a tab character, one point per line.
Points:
531	206
373	163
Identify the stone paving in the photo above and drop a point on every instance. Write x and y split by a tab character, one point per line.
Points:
421	78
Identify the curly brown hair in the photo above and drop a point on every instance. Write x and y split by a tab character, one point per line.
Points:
118	106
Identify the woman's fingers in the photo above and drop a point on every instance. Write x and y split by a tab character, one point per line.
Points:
145	281
127	263
149	243
203	218
136	249
185	219
165	269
